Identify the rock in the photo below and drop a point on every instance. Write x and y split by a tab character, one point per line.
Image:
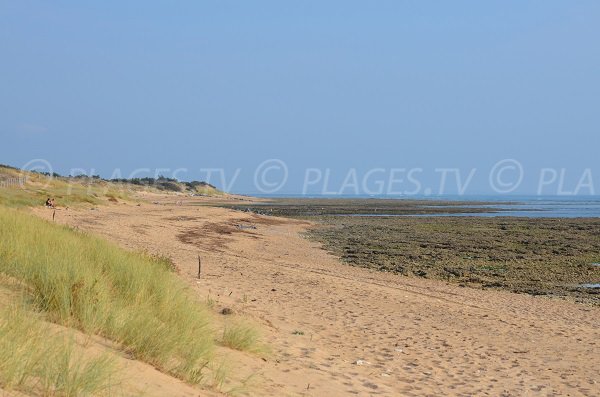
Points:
226	311
245	227
453	271
370	385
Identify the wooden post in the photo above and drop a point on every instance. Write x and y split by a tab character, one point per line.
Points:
199	266
53	215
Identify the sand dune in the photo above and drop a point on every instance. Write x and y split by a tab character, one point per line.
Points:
335	330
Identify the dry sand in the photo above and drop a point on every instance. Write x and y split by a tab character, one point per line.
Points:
336	330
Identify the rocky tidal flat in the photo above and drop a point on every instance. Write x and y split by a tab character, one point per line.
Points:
537	256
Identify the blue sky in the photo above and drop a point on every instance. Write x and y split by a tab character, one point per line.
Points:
335	85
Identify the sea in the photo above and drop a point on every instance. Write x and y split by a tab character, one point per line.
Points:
512	206
532	206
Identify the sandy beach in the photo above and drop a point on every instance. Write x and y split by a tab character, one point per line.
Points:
335	330
300	199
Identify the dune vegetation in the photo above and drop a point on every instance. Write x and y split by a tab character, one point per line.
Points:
80	281
20	188
38	360
243	336
27	189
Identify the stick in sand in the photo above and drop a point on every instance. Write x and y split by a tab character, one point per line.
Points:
53	215
199	266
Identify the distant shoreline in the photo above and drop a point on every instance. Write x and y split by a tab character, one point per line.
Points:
382	207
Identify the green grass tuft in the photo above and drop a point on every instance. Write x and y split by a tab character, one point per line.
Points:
242	336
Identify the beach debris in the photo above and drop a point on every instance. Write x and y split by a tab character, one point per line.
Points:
370	385
227	311
398	350
245	227
590	285
362	362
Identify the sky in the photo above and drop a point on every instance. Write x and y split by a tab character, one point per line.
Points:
345	96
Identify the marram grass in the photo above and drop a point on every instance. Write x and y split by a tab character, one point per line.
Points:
38	361
87	283
243	336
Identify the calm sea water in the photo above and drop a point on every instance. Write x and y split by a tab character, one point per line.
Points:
514	206
538	208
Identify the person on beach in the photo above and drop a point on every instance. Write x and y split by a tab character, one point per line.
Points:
50	203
